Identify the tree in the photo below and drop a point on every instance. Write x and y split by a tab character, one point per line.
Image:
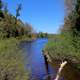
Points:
46	35
1	5
69	6
22	31
72	17
41	35
5	8
19	7
72	23
77	10
28	28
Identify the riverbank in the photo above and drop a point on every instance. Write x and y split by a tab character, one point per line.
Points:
25	38
70	71
12	64
61	50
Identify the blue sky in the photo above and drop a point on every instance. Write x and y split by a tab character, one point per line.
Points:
43	15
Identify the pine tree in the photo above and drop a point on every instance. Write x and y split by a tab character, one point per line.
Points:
18	12
1	5
1	13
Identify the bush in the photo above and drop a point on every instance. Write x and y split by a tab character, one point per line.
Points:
62	48
11	61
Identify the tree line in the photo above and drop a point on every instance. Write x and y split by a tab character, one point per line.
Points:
72	21
10	25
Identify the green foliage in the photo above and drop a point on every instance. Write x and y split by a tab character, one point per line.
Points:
52	36
72	19
18	12
11	61
8	26
42	35
62	48
72	24
12	65
1	4
11	26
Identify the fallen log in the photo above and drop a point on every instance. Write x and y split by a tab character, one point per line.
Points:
62	65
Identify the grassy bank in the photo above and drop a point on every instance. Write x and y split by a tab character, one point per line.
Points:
25	38
61	48
11	61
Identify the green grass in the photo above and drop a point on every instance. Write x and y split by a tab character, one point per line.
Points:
12	61
25	38
62	49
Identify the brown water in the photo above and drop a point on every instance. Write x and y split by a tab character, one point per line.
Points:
35	63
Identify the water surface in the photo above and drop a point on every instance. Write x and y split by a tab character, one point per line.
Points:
35	60
35	63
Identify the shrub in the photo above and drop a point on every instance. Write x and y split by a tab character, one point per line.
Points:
62	48
11	61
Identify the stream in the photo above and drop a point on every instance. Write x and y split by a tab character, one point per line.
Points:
35	63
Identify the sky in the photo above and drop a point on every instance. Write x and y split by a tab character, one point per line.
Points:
43	15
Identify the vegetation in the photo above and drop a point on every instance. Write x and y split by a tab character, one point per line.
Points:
66	46
9	29
11	61
51	36
12	29
42	35
12	26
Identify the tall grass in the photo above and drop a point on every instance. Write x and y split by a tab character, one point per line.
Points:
63	48
11	61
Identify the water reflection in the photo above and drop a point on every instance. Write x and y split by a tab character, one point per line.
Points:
35	59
